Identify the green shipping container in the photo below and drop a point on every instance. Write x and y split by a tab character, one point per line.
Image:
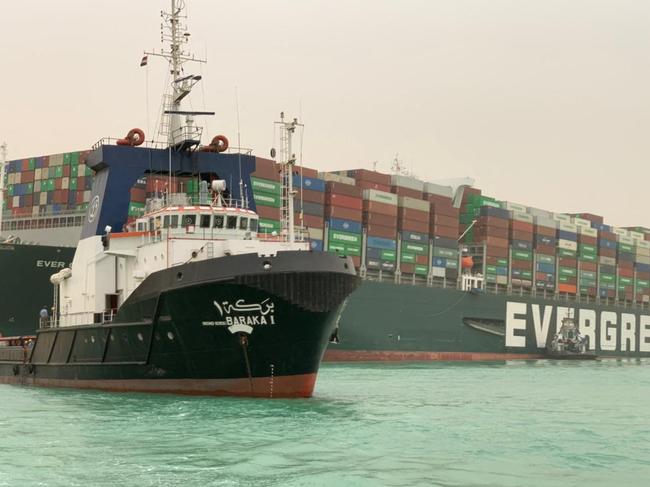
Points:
136	209
408	258
345	238
264	199
74	158
416	248
607	278
642	283
88	172
335	247
445	252
422	270
10	190
522	255
73	183
567	271
588	257
388	255
491	269
587	249
567	253
32	164
545	259
625	248
58	173
267	226
502	262
626	281
266	186
74	171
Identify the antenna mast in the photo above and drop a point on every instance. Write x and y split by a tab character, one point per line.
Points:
3	164
178	124
288	160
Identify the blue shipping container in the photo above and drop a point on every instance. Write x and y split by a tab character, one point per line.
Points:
415	237
345	225
607	244
382	243
373	253
316	245
642	267
313	184
565	235
546	268
496	212
545	240
439	262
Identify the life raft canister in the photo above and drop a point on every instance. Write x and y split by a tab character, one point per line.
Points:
218	144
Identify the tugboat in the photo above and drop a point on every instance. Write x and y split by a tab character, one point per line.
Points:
191	297
569	344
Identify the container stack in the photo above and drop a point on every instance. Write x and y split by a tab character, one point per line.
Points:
545	245
567	255
413	226
607	249
365	179
443	230
642	270
492	230
266	187
343	205
309	206
587	257
521	241
625	255
406	186
380	220
47	184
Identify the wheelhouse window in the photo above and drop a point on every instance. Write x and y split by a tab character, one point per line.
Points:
253	224
231	223
166	221
243	223
174	221
189	220
218	221
205	221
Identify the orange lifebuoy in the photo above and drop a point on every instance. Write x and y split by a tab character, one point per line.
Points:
134	138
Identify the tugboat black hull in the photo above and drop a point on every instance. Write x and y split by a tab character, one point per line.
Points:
240	325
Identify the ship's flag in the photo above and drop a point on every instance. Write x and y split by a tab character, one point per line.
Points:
144	61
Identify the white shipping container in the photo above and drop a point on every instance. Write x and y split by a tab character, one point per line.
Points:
508	205
17	177
35	210
56	160
581	222
568	227
438	271
561	217
413	203
636	235
536	212
626	240
567	244
589	232
502	279
380	196
336	178
16	202
37	174
316	233
433	188
521	217
10	178
407	182
65	183
607	260
81	170
643	259
42	199
545	222
37	186
643	245
621	232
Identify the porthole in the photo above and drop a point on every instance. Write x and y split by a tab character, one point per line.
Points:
170	335
179	276
266	265
92	339
140	337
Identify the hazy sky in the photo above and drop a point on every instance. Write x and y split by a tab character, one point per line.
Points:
543	102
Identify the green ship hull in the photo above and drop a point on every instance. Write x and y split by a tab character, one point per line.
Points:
387	321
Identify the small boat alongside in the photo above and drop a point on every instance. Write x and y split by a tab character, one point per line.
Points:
569	344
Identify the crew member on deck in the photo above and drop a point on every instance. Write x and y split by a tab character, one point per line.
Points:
44	315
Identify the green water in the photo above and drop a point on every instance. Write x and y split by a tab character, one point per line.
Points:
505	424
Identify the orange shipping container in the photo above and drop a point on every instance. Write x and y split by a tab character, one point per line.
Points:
413	226
382	208
342	213
370	185
443	231
449	221
401	191
411	214
343	189
343	201
380	231
567	288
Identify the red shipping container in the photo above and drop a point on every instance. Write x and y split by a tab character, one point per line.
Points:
343	201
605	235
66	171
492	221
267	165
444	220
436	199
266	173
421	259
545	249
546	231
342	213
586	239
522	265
370	185
383	232
521	235
541	276
27	177
443	210
269	213
343	189
643	275
356	261
591	217
567	288
376	207
496	251
496	242
407	268
309	221
411	214
306	172
58	183
467	191
401	191
626	272
311	196
79	198
443	231
521	226
28	200
623	264
138	195
379	219
370	176
564	262
589	266
607	252
413	226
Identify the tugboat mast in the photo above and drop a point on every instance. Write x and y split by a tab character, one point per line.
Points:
288	161
178	124
3	163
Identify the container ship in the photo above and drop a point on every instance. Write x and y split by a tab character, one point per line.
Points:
448	273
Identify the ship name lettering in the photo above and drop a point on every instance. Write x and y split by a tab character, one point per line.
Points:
531	325
54	264
249	320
